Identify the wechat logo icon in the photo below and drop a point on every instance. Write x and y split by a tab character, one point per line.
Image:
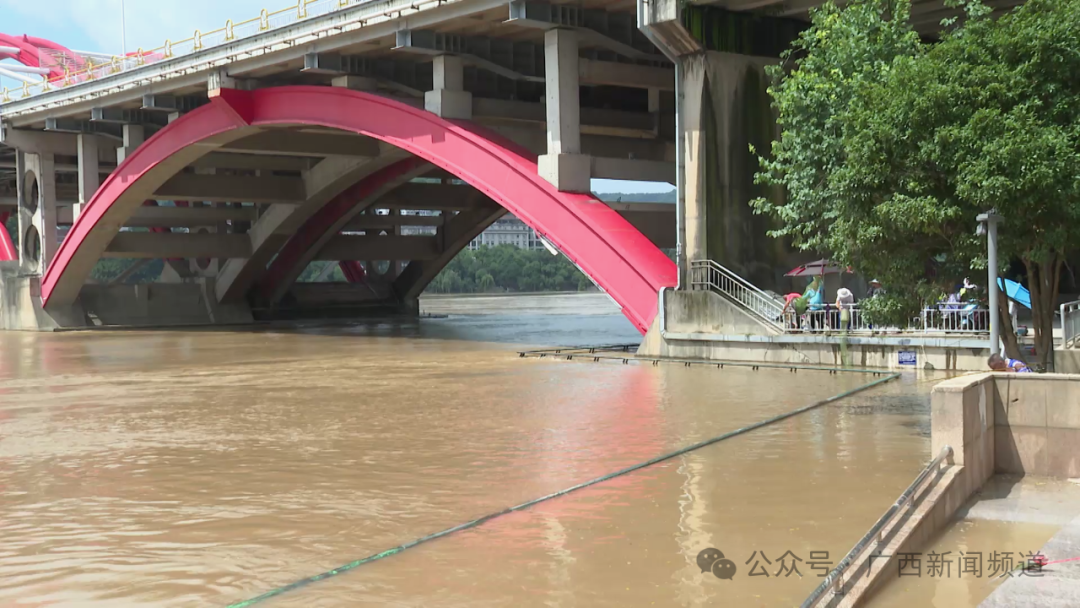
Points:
712	560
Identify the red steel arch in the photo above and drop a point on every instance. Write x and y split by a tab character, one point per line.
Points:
601	242
29	56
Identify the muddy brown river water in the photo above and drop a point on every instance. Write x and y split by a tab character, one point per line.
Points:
202	468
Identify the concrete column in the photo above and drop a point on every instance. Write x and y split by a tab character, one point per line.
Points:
695	215
89	178
134	136
37	212
449	99
563	165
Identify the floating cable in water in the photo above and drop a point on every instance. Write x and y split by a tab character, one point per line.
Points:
525	505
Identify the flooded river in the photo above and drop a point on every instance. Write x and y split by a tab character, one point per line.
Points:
202	468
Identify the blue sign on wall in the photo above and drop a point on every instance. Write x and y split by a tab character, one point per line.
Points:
907	357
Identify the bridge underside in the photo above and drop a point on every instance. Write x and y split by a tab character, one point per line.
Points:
243	211
483	107
241	195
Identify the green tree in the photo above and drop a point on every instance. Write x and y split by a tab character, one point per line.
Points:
888	172
507	268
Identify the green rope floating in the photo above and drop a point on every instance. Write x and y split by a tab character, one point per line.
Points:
476	522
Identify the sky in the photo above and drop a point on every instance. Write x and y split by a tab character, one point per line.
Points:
96	25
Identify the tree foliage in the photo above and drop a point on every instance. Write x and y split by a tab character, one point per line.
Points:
890	146
508	268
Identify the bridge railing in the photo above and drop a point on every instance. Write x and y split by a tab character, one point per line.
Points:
1070	324
91	67
958	318
707	274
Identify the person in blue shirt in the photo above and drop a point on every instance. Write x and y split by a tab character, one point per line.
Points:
815	299
1002	364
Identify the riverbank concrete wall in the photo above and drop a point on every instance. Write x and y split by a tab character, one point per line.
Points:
1018	424
703	324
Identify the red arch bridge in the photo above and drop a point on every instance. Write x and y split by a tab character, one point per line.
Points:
241	183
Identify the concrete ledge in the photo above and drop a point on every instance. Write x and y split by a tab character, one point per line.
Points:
1056	585
836	338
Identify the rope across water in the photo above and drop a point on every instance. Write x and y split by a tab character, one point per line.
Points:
525	505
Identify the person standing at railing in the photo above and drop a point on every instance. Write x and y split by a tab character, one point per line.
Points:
875	289
796	303
845	302
815	299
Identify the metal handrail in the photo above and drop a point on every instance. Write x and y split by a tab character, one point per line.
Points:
731	274
1070	324
835	579
749	296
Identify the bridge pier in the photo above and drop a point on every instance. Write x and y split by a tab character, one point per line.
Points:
37	212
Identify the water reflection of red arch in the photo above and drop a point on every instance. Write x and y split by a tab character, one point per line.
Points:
624	428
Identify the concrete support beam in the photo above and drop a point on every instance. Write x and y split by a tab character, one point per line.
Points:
631	169
369	222
611	73
134	136
448	98
534	140
57	144
428	196
454	236
293	143
171	104
178	245
562	92
279	222
563	166
355	83
311	249
77	126
230	188
216	160
593	121
89	172
121	116
387	247
189	217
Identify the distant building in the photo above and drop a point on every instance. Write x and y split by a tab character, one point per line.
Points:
508	230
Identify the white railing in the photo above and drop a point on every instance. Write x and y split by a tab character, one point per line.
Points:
1070	324
968	320
707	274
951	318
84	68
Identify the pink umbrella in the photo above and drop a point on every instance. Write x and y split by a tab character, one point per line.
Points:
817	268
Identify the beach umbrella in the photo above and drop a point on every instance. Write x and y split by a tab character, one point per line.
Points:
817	268
1016	291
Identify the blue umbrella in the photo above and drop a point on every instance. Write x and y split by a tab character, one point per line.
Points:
1016	291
